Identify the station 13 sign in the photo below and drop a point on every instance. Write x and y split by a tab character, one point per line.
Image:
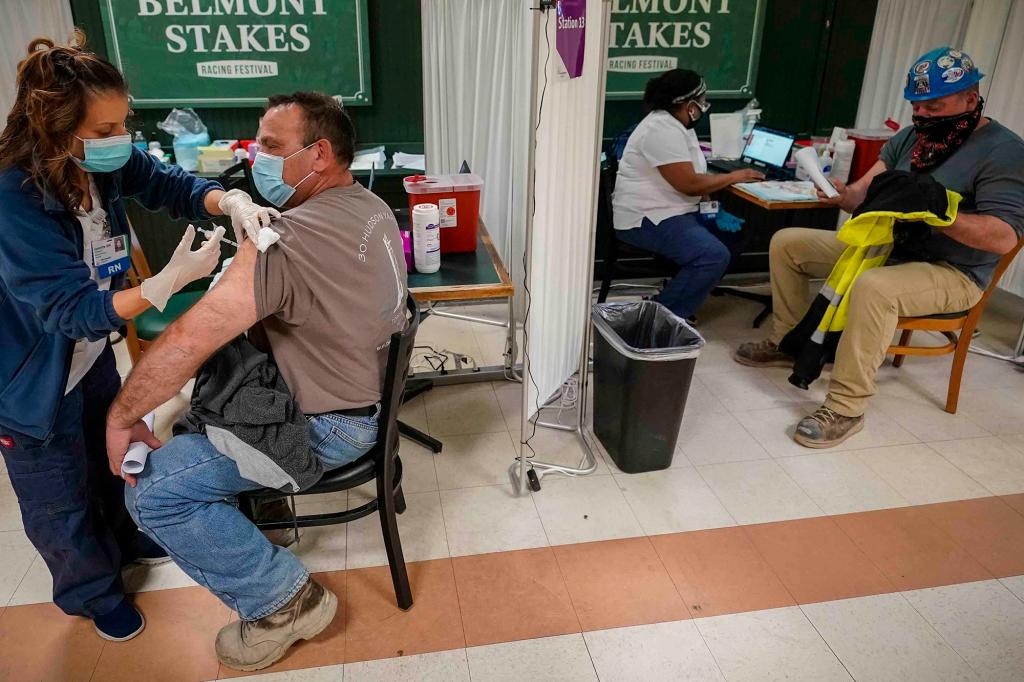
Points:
233	53
720	39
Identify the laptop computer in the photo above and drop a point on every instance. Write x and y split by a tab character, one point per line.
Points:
767	151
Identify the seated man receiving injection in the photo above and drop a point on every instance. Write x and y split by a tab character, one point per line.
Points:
324	300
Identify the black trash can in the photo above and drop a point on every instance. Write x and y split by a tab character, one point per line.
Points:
643	363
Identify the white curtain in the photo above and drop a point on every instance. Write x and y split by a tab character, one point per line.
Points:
904	30
476	106
1005	83
20	22
986	29
566	163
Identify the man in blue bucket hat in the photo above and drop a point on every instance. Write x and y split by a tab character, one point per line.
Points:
931	270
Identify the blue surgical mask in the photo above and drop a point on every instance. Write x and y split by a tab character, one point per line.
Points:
105	154
268	174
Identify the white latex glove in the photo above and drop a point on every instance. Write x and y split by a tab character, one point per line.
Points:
185	266
249	219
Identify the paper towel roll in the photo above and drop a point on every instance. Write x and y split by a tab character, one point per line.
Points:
807	159
135	461
843	160
426	238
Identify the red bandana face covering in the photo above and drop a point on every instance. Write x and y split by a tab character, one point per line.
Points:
939	136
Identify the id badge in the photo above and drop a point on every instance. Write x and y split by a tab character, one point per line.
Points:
709	208
111	256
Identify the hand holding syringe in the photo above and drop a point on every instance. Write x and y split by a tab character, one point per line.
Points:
209	233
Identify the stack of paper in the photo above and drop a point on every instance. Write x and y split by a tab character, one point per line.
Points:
726	136
366	159
781	190
411	161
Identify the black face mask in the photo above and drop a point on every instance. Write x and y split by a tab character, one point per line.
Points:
939	136
694	119
939	126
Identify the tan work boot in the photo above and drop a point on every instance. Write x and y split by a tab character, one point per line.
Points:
255	644
277	510
762	354
826	428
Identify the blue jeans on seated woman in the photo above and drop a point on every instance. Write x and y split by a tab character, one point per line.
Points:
186	500
702	258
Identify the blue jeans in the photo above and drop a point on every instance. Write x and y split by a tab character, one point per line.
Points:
72	508
186	500
702	258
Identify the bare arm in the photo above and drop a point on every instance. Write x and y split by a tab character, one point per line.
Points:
211	200
129	303
983	232
686	180
225	312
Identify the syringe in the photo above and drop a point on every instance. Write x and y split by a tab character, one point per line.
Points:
209	233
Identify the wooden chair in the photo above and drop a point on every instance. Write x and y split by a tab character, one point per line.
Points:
958	328
146	327
381	464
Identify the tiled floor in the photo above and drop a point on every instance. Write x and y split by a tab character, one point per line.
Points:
899	555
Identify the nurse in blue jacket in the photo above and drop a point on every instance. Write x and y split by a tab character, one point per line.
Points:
67	165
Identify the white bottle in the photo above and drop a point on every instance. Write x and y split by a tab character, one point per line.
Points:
156	150
844	160
826	163
799	171
426	238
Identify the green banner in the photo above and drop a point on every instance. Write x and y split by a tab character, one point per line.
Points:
719	39
233	53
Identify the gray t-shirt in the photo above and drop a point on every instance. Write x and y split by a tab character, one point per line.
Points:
988	170
330	293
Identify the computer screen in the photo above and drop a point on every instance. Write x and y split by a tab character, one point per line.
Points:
768	146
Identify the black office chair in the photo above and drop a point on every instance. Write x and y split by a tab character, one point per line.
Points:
382	464
620	260
239	176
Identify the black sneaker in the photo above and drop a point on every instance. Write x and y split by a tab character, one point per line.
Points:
121	624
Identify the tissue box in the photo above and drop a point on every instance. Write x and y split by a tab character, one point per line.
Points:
215	158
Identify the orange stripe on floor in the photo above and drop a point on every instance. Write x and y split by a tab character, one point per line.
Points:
526	594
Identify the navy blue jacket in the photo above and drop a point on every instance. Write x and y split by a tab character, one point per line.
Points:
47	298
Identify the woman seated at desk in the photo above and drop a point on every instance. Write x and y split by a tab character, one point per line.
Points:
661	184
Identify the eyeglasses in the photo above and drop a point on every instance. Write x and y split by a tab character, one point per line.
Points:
703	106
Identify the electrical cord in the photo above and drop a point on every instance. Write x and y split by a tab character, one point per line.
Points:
437	359
526	286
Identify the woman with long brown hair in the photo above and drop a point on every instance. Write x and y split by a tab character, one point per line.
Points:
66	167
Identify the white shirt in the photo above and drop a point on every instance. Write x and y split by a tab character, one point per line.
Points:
94	228
640	191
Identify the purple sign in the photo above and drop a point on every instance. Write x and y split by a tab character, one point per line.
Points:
571	34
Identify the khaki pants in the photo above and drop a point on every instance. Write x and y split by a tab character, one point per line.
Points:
878	299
